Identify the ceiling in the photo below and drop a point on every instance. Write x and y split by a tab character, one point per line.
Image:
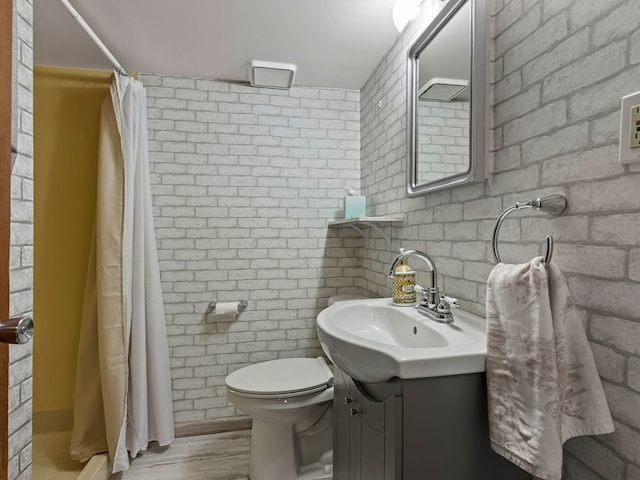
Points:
335	43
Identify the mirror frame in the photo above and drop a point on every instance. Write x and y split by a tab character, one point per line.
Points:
478	107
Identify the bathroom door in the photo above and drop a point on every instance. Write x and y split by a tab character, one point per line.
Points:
6	15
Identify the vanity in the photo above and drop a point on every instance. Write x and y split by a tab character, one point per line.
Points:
409	395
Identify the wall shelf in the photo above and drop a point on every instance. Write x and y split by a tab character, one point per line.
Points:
381	224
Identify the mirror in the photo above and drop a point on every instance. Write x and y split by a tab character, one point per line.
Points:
446	100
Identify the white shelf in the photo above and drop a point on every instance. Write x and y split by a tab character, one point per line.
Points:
368	220
378	224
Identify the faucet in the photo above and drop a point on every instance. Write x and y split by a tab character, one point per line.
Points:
433	305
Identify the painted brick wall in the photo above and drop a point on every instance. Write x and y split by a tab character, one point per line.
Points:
21	256
443	139
559	68
244	183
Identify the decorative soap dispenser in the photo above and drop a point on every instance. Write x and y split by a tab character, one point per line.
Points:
404	282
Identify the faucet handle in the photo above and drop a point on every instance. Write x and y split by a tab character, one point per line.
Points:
421	294
454	302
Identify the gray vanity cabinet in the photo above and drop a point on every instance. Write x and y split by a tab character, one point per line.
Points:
423	429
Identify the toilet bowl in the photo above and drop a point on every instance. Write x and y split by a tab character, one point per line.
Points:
290	403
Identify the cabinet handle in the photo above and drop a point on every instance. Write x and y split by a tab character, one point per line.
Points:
348	400
354	411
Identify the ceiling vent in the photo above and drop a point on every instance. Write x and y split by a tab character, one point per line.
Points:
442	89
271	74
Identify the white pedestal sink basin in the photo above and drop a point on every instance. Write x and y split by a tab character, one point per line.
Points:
374	341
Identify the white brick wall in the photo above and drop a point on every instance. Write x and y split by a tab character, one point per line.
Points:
244	183
442	139
21	255
559	68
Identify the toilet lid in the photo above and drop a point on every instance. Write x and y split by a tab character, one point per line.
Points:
284	376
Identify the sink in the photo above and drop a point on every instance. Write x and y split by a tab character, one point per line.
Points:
375	341
388	325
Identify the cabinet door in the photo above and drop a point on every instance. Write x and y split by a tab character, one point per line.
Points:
393	438
355	431
371	453
372	436
341	428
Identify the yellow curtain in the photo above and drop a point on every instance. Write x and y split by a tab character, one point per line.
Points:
67	105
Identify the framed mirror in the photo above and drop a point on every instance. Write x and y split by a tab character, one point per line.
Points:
446	108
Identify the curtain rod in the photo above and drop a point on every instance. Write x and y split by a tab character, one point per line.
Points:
74	13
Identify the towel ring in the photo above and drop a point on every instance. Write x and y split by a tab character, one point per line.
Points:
552	205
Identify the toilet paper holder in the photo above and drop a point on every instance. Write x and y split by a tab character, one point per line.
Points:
211	308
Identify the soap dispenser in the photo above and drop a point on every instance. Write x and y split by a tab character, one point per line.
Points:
404	282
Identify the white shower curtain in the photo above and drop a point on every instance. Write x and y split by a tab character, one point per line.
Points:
123	333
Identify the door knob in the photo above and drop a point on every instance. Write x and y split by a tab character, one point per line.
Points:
16	330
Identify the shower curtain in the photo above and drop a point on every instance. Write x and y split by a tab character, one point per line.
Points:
123	386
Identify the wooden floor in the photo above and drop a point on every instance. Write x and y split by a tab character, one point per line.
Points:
223	456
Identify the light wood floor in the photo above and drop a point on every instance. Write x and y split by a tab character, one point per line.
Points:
223	456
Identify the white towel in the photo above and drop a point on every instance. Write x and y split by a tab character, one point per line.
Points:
542	381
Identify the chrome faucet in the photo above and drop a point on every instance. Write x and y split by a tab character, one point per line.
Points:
433	305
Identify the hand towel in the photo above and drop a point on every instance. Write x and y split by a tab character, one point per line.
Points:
542	382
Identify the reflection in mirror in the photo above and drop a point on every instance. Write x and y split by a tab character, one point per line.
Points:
441	83
444	73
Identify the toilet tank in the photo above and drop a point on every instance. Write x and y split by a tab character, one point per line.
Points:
343	298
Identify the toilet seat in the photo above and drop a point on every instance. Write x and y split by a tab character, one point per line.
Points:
287	377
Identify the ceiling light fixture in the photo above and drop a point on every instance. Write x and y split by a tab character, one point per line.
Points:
404	11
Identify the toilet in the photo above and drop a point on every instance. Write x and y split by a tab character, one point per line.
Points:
290	402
